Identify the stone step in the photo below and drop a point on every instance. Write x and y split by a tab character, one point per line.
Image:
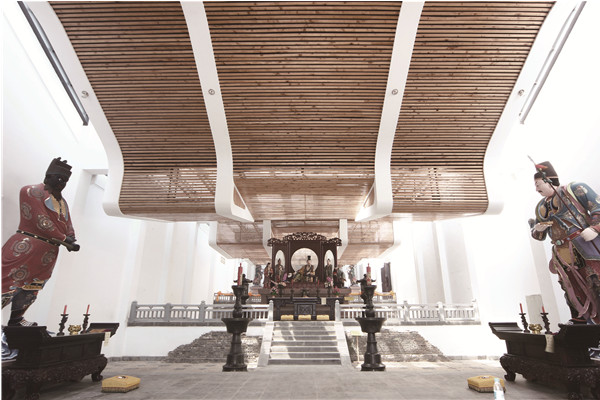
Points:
292	349
286	355
306	361
304	343
303	337
308	331
304	323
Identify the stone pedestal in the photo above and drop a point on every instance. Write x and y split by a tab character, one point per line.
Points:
236	326
236	357
371	325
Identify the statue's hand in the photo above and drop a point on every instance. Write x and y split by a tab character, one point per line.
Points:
75	247
588	234
539	227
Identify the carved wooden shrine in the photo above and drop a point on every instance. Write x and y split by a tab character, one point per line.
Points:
309	240
569	362
304	298
45	359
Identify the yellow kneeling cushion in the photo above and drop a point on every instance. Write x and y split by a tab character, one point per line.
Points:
287	317
322	317
120	384
304	317
483	383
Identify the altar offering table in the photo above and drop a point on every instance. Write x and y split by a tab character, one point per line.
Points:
304	306
47	359
563	357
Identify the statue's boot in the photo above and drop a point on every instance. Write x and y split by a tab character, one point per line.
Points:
21	301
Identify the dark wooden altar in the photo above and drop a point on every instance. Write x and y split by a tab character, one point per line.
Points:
47	359
297	306
309	240
569	362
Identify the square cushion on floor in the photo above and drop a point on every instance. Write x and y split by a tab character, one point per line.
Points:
483	383
304	317
322	317
120	384
287	317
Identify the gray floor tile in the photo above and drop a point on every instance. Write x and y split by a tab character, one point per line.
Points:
402	381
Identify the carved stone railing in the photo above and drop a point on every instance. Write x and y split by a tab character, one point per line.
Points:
229	298
211	314
190	314
377	298
417	314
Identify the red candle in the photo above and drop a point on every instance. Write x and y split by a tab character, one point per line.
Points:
65	310
88	309
368	274
240	274
521	305
543	310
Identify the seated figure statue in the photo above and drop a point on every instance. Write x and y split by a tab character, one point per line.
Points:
306	273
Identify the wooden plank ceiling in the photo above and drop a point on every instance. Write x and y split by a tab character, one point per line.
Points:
139	60
466	60
303	86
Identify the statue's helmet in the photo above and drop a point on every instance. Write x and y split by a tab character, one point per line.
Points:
59	167
545	168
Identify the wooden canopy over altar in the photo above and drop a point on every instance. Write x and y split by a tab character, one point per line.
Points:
301	240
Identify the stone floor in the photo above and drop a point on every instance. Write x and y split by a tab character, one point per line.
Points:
409	380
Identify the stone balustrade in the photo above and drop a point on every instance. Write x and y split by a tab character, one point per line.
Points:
211	314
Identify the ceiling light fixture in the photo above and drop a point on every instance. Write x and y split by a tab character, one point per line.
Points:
562	37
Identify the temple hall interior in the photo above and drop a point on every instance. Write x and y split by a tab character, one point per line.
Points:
355	161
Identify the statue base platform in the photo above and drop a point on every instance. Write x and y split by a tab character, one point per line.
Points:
566	359
309	289
45	359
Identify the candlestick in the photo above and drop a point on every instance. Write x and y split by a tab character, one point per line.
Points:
546	322
61	325
86	317
543	310
65	310
368	274
525	324
240	275
521	306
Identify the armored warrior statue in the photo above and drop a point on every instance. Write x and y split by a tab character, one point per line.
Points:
570	215
28	257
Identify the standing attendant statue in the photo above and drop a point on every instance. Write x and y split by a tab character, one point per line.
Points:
258	275
570	215
268	276
328	271
28	257
279	271
351	275
339	278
